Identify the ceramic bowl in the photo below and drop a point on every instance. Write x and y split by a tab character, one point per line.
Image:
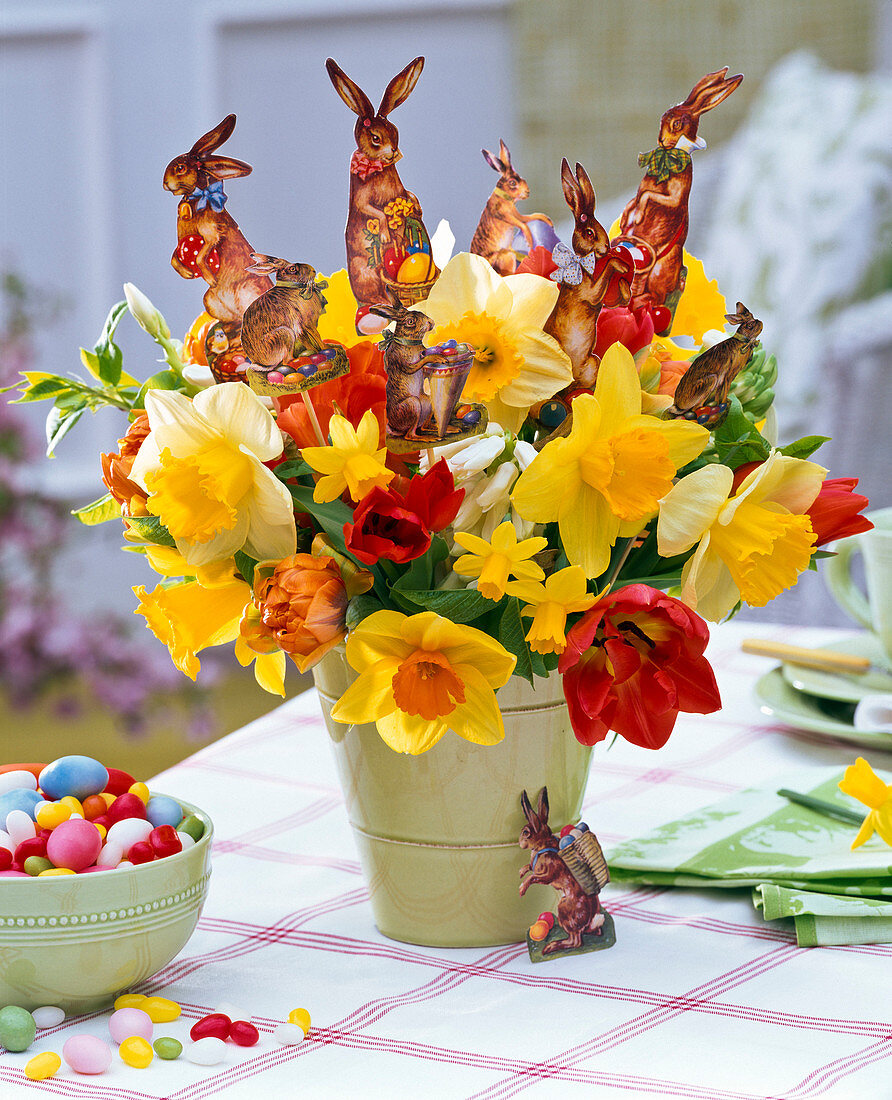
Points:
77	941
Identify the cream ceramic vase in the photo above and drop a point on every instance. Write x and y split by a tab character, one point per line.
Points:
438	833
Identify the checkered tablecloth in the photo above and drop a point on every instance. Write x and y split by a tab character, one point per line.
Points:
698	999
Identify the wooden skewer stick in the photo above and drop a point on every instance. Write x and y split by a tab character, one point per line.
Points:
429	451
314	419
808	658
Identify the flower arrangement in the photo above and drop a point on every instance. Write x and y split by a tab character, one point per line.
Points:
587	526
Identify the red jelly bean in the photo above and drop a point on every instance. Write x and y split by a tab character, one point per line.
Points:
102	820
215	1026
243	1034
5	859
141	852
34	846
164	841
126	805
118	782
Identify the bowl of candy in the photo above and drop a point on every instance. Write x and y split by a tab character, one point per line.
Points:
101	882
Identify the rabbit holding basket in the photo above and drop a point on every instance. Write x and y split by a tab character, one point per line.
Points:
501	219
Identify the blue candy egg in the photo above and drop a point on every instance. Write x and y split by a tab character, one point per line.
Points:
471	418
582	827
450	344
161	810
331	353
19	799
565	841
307	371
76	775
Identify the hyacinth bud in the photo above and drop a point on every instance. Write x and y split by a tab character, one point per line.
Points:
146	315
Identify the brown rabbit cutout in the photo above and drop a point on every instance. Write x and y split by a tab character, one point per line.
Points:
283	322
373	222
574	319
702	392
578	913
223	255
657	218
501	219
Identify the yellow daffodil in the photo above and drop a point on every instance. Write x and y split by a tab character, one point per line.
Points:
605	479
493	562
516	364
269	668
550	603
353	461
338	322
861	782
701	305
167	561
422	675
189	617
753	544
202	467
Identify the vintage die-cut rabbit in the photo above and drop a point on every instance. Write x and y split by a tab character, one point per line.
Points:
702	392
500	220
388	247
655	223
209	243
283	322
590	275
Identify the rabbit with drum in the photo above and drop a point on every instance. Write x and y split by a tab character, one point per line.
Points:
283	322
656	220
209	242
375	183
501	219
578	913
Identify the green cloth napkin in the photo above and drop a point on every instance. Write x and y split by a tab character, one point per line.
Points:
756	838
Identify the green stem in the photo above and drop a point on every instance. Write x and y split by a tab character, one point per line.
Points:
828	809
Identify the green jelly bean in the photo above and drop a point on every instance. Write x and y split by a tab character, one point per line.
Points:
33	865
193	826
17	1028
168	1048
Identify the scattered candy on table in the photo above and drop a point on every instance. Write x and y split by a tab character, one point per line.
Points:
42	1066
289	1035
301	1017
87	1054
206	1052
127	1022
48	1016
136	1051
17	1028
168	1048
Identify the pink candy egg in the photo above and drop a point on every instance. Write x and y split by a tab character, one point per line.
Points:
87	1054
276	377
74	844
130	1021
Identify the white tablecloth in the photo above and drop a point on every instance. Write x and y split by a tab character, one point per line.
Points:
698	999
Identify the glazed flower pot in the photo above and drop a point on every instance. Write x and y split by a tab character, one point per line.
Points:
438	833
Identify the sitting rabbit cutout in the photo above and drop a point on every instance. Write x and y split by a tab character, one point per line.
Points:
209	242
283	322
501	219
578	913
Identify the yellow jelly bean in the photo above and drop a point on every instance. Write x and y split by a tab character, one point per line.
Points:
42	1066
52	814
160	1009
73	804
130	1000
301	1017
141	791
136	1051
54	871
107	798
103	832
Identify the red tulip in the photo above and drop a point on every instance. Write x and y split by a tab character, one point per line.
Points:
835	511
434	497
633	329
632	663
538	262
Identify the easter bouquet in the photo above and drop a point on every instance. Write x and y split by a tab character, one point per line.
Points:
534	457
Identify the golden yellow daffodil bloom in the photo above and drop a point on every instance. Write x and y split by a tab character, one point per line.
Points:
861	782
550	604
753	544
188	617
202	467
338	322
422	675
494	561
516	363
269	668
605	479
701	306
353	461
167	561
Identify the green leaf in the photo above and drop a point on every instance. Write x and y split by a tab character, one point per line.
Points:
360	607
59	423
100	511
163	380
511	635
331	517
152	529
461	606
802	448
245	565
737	440
295	467
54	386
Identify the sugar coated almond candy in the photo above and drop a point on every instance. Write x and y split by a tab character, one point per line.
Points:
19	799
129	831
161	810
168	1048
186	840
215	1025
301	1017
161	1010
124	806
289	1035
19	827
206	1052
42	1066
17	780
136	1052
87	1054
74	775
125	1022
48	1016
74	844
244	1034
17	1028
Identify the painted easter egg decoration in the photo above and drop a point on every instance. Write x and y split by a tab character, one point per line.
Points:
416	268
187	253
392	262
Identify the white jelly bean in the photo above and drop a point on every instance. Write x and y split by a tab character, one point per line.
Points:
206	1052
124	834
110	856
289	1035
20	826
48	1016
12	781
6	841
188	842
